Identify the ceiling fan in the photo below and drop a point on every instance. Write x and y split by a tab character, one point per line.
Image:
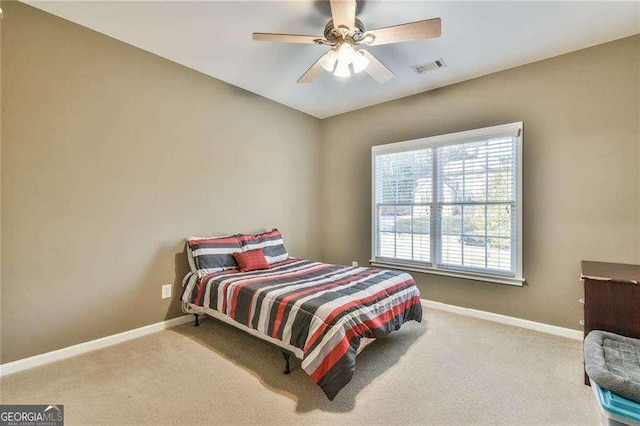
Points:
346	34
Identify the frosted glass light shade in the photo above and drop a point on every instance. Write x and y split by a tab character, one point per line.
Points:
328	60
346	53
359	61
342	69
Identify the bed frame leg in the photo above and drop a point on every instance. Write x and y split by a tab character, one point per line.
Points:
287	367
197	323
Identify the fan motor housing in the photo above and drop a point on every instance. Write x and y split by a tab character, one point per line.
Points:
332	34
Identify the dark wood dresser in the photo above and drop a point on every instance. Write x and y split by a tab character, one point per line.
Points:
611	298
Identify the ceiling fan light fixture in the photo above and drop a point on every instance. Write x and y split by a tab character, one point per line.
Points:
345	33
359	61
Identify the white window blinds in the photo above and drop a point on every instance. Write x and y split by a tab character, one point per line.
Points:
403	205
451	204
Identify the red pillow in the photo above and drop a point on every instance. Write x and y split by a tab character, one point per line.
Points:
252	260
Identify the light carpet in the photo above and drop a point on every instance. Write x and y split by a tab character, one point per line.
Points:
449	369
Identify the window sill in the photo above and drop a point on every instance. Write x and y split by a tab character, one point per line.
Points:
519	282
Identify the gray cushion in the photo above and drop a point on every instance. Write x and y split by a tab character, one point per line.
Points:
613	362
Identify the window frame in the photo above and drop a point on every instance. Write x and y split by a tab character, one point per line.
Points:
515	130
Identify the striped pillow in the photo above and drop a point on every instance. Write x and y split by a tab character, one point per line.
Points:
213	254
270	242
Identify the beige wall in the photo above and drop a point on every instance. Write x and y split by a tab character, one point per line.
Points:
110	157
581	179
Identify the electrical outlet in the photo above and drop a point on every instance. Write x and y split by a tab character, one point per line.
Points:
166	291
354	264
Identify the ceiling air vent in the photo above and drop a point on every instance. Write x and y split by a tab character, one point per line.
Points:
428	66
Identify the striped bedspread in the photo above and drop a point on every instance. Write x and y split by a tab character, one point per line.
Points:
322	309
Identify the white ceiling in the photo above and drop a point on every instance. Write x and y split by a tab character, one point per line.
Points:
478	38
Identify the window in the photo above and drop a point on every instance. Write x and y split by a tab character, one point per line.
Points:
451	204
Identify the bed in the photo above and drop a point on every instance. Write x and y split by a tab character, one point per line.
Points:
321	313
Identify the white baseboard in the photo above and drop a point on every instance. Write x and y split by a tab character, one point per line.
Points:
37	360
504	319
81	348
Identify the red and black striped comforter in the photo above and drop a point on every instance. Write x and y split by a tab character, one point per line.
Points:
322	309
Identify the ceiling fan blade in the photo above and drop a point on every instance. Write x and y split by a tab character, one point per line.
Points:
314	71
286	38
343	13
376	69
406	32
